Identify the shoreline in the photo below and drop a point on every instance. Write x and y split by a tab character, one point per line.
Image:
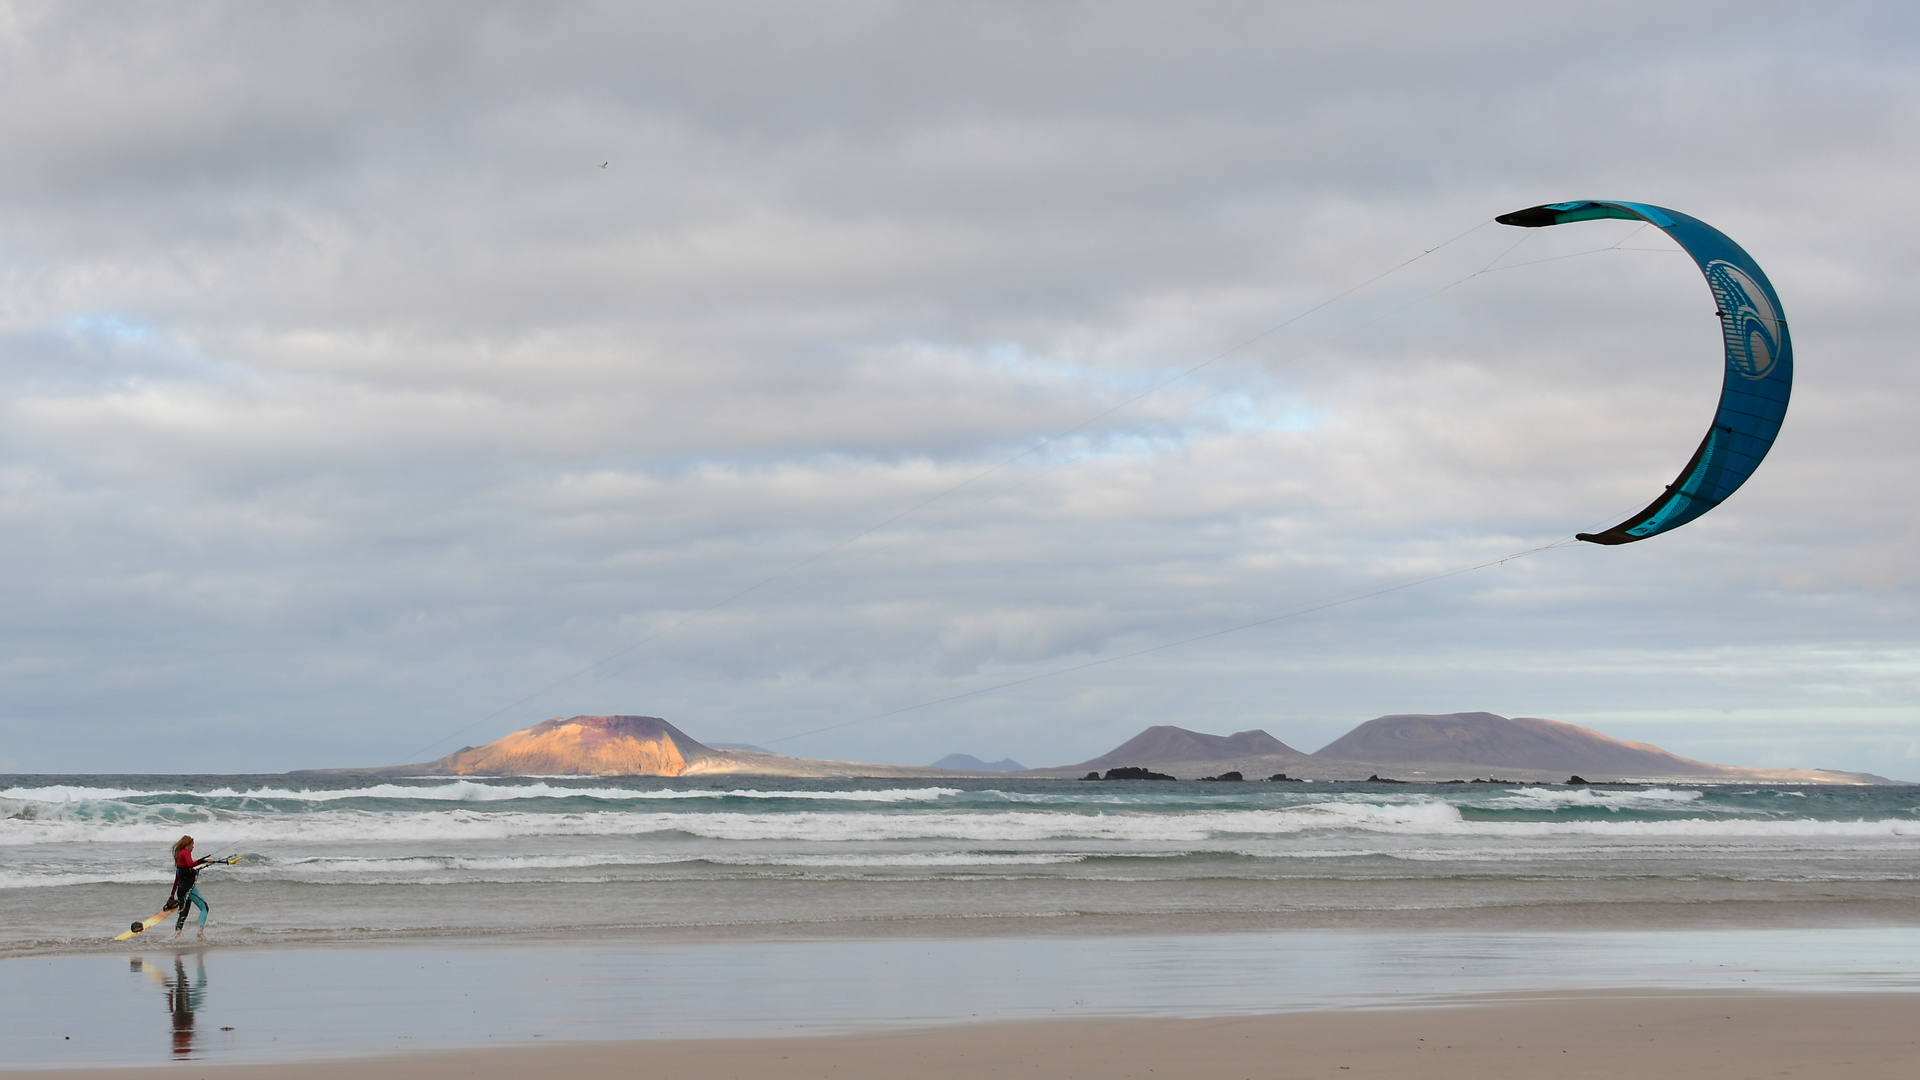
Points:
1570	917
1520	919
1644	1032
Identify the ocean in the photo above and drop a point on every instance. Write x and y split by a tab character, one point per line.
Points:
347	860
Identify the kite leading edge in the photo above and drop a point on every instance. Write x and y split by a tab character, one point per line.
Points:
1759	379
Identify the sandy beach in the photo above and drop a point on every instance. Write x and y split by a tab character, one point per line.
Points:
1624	1033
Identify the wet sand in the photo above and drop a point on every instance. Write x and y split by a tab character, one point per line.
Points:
221	1008
1620	1033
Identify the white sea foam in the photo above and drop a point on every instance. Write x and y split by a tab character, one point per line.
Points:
432	870
1616	800
417	864
468	823
59	793
41	879
414	866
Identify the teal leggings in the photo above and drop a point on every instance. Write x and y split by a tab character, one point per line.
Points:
192	898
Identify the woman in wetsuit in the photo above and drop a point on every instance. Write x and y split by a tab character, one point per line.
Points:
185	869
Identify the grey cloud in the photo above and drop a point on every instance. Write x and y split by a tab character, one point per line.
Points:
344	399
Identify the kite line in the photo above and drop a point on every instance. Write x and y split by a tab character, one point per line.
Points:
1308	608
599	665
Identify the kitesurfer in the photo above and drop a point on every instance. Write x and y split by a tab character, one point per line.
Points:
186	868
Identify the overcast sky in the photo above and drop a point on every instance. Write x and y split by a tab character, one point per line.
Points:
377	379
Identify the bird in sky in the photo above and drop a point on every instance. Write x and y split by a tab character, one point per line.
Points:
603	164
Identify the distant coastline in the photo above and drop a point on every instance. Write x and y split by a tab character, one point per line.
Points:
1421	747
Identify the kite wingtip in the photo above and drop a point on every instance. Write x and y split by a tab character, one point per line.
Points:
1533	217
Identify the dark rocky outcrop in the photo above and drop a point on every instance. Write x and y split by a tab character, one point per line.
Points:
1229	775
1129	772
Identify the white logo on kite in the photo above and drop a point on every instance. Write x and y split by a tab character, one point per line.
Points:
1752	327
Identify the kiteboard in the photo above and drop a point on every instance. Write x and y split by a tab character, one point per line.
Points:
147	923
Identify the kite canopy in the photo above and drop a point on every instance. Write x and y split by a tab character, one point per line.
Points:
1753	399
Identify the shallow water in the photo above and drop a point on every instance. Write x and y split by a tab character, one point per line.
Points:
344	859
296	1004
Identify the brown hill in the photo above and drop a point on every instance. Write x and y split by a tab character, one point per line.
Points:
1456	746
624	746
578	746
1523	742
1192	753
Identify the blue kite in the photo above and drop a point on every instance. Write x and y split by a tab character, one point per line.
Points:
1753	399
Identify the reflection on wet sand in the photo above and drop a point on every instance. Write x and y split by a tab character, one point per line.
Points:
184	997
381	999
